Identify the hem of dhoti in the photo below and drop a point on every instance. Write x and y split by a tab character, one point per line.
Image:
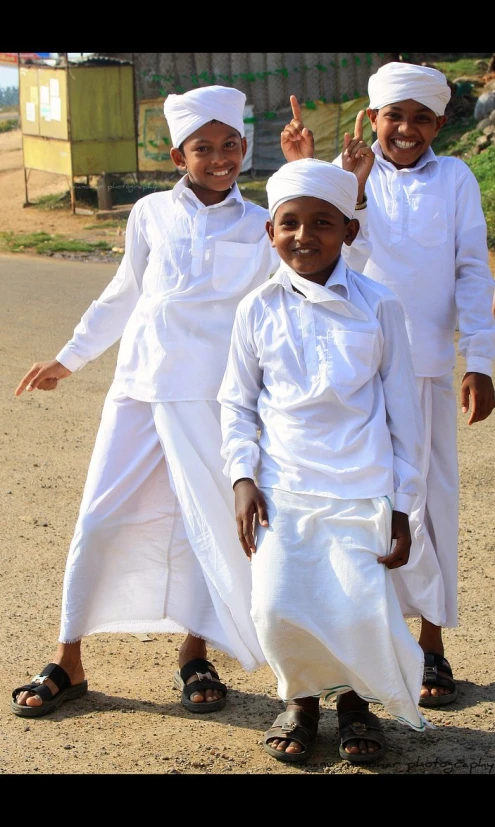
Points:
329	693
164	626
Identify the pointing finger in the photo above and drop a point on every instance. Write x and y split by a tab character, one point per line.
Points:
358	128
296	109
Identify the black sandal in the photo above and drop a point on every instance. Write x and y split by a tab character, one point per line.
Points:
434	664
66	692
360	725
207	679
292	725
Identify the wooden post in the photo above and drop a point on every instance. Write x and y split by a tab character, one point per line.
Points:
104	194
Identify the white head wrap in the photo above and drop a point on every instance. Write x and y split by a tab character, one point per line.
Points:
394	82
319	179
188	112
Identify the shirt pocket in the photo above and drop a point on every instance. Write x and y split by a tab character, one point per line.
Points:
234	266
350	358
427	220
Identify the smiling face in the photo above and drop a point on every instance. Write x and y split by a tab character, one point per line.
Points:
405	130
213	158
308	234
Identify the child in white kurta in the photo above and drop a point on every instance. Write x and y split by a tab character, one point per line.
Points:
429	245
322	440
155	547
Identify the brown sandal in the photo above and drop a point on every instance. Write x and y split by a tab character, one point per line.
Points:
292	725
360	725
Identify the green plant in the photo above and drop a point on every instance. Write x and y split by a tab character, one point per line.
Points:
9	125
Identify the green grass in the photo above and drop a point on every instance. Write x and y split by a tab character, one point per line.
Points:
9	125
47	244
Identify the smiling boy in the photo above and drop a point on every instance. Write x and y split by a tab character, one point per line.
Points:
322	438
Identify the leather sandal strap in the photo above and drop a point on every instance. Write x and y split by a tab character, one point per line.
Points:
293	725
38	686
198	666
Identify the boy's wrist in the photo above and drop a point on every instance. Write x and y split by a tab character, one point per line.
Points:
361	204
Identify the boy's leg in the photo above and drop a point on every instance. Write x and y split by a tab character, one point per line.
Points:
441	519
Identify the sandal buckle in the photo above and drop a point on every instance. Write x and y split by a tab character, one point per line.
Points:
40	678
358	727
202	675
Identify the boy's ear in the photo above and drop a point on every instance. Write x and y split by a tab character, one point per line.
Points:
269	229
441	121
372	113
178	159
351	231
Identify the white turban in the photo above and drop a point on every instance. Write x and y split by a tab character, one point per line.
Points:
188	112
319	179
394	82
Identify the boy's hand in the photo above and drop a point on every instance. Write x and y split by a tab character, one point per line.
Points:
250	508
44	376
477	388
296	140
402	533
357	156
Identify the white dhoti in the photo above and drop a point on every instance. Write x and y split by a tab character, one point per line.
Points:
155	548
327	615
427	585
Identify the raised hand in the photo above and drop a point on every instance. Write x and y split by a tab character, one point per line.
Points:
296	140
357	156
42	375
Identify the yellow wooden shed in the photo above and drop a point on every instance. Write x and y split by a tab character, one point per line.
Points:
78	120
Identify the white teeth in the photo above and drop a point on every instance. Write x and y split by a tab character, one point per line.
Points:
405	144
303	252
221	174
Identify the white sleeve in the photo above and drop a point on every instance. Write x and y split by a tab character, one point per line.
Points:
238	397
402	404
474	281
104	321
359	252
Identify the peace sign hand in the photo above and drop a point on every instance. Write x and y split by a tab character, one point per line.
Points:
357	156
296	140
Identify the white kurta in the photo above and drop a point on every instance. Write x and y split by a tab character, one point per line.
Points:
320	407
429	245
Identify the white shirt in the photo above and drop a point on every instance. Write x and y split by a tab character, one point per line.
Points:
327	377
175	293
429	245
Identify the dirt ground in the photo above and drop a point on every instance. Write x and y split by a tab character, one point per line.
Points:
131	721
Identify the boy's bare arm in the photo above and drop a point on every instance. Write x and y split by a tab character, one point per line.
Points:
44	376
402	534
296	140
477	391
250	509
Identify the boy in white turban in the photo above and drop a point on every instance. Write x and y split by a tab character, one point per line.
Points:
322	441
155	546
429	245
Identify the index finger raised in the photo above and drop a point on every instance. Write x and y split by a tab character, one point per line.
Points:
358	127
296	109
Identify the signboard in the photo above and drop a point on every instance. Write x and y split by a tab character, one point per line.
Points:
12	58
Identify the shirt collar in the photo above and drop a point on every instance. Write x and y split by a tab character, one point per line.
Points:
181	190
336	289
426	158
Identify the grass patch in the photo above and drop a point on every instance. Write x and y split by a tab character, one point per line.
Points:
46	244
483	167
9	125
